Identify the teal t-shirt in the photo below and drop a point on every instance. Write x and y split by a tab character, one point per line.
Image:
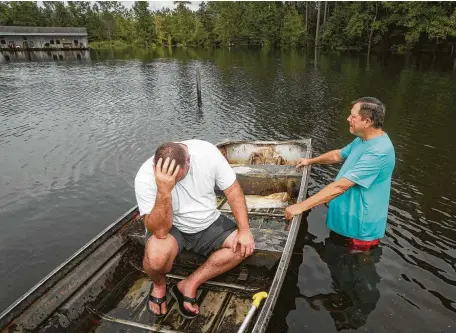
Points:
361	212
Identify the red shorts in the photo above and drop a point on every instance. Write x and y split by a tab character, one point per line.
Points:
360	245
353	244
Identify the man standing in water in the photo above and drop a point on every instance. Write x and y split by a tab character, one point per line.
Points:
175	194
359	196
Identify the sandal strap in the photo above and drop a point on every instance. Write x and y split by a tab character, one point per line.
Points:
190	300
156	300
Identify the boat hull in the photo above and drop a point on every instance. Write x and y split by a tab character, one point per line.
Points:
102	286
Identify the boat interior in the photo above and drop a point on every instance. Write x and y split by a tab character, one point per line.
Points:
106	289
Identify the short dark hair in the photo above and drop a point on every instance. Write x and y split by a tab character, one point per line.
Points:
174	151
373	109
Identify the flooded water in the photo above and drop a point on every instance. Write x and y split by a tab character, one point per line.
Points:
75	129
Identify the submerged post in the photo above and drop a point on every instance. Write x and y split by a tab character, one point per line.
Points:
198	85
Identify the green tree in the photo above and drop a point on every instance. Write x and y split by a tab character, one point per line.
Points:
183	23
24	13
227	25
163	23
144	23
207	16
350	24
62	17
124	25
293	29
5	14
421	20
78	11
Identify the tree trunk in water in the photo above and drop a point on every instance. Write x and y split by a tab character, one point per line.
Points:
372	30
307	6
316	57
317	43
326	9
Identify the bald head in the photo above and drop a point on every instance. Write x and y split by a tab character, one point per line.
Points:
174	151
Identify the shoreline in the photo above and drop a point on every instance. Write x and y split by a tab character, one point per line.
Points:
348	49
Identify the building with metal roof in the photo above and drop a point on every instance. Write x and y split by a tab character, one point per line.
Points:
29	38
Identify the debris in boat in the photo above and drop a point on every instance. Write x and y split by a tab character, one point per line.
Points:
267	155
223	152
275	200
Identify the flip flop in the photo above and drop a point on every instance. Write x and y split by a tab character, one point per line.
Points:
180	299
155	300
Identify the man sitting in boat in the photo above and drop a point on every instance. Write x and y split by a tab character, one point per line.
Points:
359	196
175	193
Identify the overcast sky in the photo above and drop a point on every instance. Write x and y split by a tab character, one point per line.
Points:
155	5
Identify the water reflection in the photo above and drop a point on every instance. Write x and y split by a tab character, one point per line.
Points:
44	56
354	283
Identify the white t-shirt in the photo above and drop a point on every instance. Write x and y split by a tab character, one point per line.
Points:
193	198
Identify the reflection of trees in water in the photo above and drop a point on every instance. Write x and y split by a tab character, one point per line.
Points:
355	280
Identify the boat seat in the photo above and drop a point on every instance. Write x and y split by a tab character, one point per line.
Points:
267	179
269	245
267	170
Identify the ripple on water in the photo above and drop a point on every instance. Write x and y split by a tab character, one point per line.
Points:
74	135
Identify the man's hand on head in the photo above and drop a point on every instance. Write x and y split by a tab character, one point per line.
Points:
165	175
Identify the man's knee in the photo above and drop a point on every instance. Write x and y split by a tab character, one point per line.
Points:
160	254
156	263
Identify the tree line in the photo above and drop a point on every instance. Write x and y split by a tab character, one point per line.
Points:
336	25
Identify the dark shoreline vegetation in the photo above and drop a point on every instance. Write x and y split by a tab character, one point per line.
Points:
355	26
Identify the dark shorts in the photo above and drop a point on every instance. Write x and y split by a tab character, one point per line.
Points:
205	241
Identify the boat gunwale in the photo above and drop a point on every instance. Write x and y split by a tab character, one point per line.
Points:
259	142
8	316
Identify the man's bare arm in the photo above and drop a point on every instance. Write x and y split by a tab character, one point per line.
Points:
160	220
236	200
328	193
331	157
244	237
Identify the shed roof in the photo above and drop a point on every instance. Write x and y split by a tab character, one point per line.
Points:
42	31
